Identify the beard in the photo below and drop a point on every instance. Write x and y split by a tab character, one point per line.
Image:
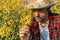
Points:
43	20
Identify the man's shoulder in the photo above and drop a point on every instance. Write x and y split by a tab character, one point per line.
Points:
54	18
54	15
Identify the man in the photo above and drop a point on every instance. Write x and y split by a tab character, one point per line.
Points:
45	25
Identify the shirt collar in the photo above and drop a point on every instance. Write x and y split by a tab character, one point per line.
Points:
45	28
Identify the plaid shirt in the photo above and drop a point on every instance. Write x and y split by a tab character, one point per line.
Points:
54	28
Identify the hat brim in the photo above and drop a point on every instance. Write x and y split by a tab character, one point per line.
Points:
45	6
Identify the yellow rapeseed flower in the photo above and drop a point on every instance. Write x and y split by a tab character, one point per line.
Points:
5	31
5	17
11	22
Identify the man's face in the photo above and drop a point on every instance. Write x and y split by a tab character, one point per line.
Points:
40	14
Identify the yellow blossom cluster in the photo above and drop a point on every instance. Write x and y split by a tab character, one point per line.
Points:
11	22
9	16
5	31
56	7
25	17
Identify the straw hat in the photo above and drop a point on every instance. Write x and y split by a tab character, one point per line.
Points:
37	4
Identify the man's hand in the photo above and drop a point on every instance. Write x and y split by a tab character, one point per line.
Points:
24	33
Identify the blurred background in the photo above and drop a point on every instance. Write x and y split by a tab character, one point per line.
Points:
13	15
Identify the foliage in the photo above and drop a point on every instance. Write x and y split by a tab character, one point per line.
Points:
56	8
